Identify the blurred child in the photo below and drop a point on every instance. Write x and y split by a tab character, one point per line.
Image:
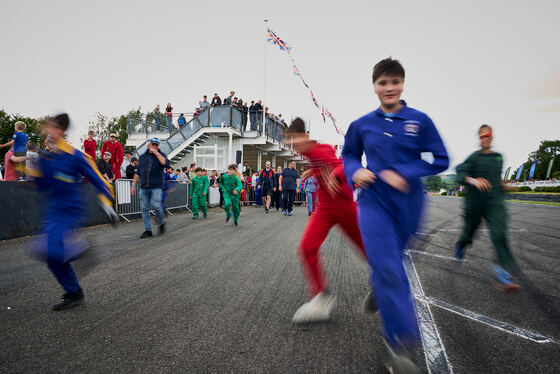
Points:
481	173
393	137
337	208
58	175
19	142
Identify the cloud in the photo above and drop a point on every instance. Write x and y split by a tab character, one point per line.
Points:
549	108
549	87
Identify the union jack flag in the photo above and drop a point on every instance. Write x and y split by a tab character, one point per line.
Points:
274	39
323	113
314	100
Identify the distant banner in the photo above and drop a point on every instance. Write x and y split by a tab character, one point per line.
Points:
549	168
519	171
506	175
532	170
272	38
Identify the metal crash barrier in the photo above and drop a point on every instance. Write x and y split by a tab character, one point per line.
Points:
128	204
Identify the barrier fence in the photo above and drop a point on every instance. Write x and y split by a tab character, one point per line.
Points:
128	204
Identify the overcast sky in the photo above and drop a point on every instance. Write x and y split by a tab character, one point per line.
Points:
467	63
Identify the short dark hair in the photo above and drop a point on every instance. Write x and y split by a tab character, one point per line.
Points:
184	168
232	167
31	146
198	169
389	67
127	153
484	126
178	170
193	164
62	121
133	159
297	126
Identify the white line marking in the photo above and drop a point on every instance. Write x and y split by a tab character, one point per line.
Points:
522	333
434	351
435	255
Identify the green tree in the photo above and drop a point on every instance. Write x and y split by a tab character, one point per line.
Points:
546	151
433	183
33	130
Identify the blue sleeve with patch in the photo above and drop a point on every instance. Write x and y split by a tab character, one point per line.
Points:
430	142
352	152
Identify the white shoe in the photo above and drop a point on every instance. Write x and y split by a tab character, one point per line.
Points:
316	310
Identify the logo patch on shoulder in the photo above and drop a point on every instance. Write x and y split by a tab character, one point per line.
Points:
411	128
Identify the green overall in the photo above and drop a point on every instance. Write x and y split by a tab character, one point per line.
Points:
231	202
488	205
199	188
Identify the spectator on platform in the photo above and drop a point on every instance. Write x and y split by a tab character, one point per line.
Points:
234	103
229	100
132	168
90	145
258	114
183	176
216	100
245	110
105	167
157	117
253	116
169	117
204	103
175	176
126	162
196	112
181	121
115	148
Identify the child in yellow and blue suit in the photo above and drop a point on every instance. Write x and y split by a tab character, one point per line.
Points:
58	174
391	198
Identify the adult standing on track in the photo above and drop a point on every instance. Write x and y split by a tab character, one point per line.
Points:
288	184
267	184
114	147
481	173
277	195
150	174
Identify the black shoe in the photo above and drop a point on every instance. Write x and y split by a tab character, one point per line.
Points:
266	210
146	234
227	220
69	300
369	304
162	229
235	224
194	217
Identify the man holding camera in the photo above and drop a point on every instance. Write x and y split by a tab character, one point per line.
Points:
150	174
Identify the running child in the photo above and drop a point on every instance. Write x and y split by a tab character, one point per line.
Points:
481	173
337	208
59	175
393	137
231	188
199	185
19	141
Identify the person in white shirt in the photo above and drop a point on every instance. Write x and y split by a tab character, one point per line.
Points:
126	162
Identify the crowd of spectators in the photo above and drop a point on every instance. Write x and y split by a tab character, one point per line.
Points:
252	112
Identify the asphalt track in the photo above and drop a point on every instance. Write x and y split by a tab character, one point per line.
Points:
210	298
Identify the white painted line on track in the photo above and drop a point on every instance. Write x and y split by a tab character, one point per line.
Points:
450	258
522	333
434	351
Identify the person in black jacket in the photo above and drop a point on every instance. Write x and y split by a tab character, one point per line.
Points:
216	100
267	184
105	167
276	195
132	168
150	173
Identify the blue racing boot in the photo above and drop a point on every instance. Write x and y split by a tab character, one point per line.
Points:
503	281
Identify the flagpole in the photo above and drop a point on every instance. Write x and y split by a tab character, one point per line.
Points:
264	78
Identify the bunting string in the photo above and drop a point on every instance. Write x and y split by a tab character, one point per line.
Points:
272	38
